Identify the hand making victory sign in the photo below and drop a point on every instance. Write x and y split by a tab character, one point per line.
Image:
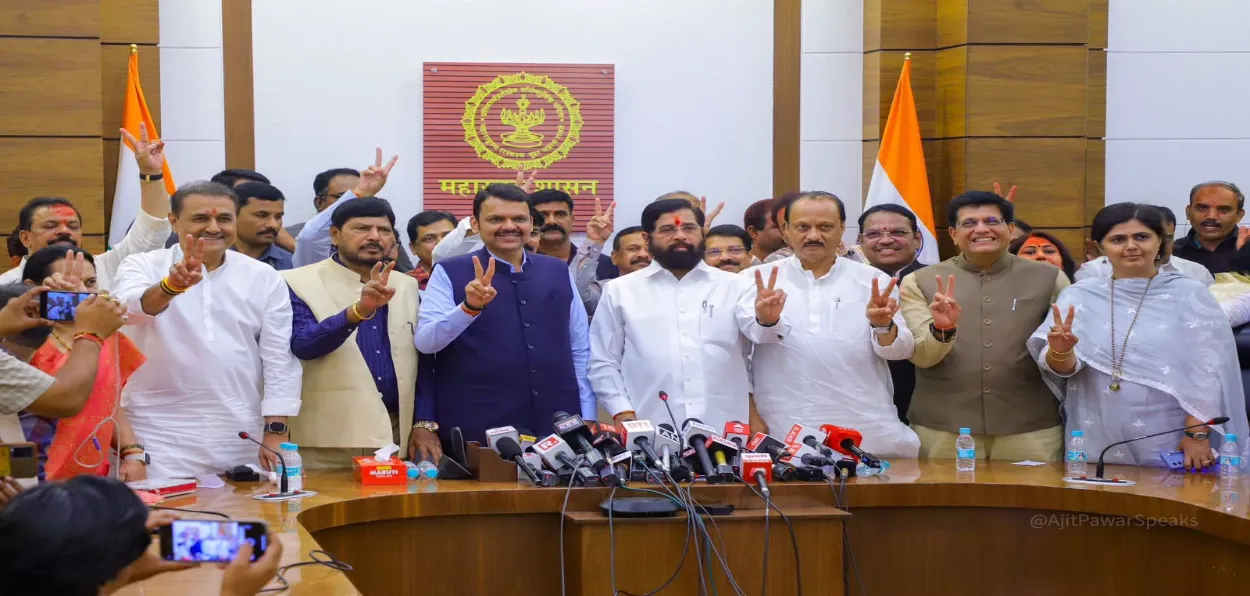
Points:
768	301
709	215
188	271
376	293
373	178
478	293
68	274
944	308
1060	338
882	306
149	153
526	184
1011	194
599	228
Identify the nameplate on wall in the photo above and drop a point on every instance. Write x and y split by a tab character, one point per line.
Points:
482	121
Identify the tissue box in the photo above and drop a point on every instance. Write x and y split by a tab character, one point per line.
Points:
370	471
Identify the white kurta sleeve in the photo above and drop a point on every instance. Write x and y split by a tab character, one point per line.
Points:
147	234
747	323
457	243
1237	309
283	375
607	350
134	277
905	344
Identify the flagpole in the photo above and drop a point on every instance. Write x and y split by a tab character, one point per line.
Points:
134	49
906	56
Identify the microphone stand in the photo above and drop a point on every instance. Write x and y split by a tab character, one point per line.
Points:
282	486
1102	464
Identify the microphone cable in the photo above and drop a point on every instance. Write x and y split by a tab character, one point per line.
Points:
329	560
202	512
712	547
839	498
794	538
563	510
681	563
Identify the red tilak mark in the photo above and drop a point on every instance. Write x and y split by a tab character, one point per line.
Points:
213	212
64	211
677	220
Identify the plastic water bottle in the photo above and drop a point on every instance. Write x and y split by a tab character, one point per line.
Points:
965	451
1230	458
294	467
422	470
1077	466
862	469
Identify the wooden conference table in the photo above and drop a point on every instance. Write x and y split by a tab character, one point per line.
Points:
1006	529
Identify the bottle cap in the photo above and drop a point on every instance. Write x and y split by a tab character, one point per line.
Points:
1078	433
1230	437
965	431
289	446
413	473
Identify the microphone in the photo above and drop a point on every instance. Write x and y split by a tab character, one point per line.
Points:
722	452
762	443
282	486
697	434
1102	465
756	469
559	456
639	436
738	434
526	439
802	435
613	446
669	443
664	398
783	471
509	449
571	428
846	441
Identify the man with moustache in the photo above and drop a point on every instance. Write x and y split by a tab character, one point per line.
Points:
832	367
425	229
765	235
216	329
980	374
1167	263
777	212
1215	208
629	250
357	395
507	328
261	208
889	236
557	209
44	221
680	326
728	248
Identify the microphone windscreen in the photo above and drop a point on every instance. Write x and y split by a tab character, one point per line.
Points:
508	449
559	414
1219	420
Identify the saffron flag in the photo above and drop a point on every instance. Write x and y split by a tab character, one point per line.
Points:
899	176
126	196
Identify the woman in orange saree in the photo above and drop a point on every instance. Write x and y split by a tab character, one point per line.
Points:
81	444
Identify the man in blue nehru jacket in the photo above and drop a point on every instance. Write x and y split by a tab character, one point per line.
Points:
508	331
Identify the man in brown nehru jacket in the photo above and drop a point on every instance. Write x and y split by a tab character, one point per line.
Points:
971	315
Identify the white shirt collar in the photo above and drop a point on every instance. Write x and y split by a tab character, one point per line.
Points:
655	268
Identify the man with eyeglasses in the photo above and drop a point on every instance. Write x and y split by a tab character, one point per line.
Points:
979	375
728	248
1215	208
889	236
680	326
845	328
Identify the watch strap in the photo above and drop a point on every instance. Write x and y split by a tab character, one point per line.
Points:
152	177
1201	435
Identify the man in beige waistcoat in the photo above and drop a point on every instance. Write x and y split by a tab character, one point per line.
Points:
353	327
971	315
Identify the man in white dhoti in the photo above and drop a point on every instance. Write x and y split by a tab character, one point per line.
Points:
215	326
831	368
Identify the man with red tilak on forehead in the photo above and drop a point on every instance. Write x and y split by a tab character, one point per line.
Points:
54	220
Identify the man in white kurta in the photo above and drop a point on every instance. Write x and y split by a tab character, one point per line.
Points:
679	326
831	368
218	346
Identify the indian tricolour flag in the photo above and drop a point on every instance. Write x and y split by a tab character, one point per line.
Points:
899	176
126	197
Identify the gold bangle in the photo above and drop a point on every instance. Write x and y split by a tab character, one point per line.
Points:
356	312
1060	356
171	289
91	337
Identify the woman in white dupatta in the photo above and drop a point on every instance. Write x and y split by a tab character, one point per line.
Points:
1142	352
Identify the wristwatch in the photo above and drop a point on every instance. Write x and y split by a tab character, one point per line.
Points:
1201	435
141	457
277	428
429	425
883	330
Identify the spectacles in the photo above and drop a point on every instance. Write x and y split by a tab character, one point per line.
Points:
990	222
733	251
336	196
899	234
687	229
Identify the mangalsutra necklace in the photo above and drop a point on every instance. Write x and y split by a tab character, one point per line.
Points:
1117	364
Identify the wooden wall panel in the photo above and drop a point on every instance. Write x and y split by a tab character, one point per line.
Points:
236	41
114	60
67	167
1073	239
951	92
1049	172
1096	178
1027	90
881	72
899	25
129	21
1096	96
787	61
50	18
1098	17
1027	21
51	87
951	23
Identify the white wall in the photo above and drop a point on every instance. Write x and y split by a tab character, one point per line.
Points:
693	87
192	99
1178	98
832	103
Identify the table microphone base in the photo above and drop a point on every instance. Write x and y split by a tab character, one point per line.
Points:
284	496
1099	481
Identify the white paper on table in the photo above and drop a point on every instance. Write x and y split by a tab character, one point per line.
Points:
1029	462
209	481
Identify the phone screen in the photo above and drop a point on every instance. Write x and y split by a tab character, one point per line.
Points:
210	541
60	306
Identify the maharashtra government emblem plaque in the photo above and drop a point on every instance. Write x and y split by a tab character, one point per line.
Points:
522	120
